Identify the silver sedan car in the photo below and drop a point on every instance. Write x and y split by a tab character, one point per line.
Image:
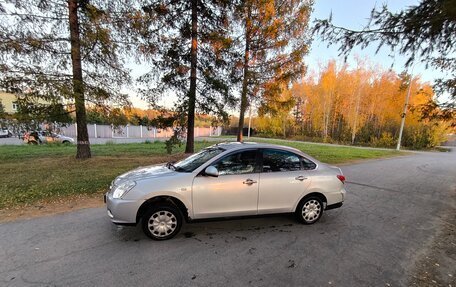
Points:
225	180
42	137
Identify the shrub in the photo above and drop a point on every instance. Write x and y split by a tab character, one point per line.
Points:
385	140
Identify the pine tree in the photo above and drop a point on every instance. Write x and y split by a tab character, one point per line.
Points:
273	42
65	52
186	44
2	110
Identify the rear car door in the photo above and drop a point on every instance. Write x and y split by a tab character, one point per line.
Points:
234	192
284	178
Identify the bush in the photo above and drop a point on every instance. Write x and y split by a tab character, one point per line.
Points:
438	134
385	140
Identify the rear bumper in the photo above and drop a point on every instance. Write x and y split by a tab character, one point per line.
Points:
335	205
335	197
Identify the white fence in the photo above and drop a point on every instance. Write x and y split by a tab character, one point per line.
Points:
128	131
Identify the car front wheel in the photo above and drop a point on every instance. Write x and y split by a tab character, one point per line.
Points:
309	210
162	222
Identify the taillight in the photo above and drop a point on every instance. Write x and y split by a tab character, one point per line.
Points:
341	178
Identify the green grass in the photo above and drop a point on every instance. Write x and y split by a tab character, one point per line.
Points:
34	173
334	154
15	152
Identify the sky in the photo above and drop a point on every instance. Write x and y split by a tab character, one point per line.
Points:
351	14
354	14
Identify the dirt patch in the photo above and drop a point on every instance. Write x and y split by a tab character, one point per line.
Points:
437	267
51	207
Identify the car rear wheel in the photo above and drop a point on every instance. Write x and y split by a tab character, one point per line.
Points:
309	210
162	222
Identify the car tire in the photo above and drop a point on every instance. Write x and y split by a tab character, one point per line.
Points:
66	142
309	210
33	143
162	222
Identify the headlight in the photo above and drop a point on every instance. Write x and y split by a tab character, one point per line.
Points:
123	189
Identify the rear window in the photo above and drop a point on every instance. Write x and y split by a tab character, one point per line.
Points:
280	160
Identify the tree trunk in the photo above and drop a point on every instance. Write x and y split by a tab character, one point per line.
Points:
245	79
190	146
325	119
83	144
355	121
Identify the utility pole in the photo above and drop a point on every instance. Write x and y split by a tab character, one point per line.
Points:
250	120
404	114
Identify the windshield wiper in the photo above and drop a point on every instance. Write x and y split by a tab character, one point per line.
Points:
170	165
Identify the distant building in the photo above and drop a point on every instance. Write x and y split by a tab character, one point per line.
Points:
9	102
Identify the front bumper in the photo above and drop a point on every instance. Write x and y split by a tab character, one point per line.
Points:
122	211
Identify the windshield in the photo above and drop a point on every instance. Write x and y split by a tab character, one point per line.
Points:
196	160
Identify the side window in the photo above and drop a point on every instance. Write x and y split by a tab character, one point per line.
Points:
279	160
308	164
237	163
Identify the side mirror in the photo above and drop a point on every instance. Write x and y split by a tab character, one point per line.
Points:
211	171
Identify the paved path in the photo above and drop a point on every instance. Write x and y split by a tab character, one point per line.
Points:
393	210
16	141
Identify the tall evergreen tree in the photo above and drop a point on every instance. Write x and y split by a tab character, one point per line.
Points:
65	52
186	44
2	109
274	40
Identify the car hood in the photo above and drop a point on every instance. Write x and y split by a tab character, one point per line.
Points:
145	172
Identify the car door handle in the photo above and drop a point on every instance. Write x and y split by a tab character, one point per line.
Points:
301	178
249	181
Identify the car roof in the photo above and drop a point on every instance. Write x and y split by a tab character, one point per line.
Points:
244	145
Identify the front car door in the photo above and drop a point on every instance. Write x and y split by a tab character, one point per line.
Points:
51	137
234	192
284	178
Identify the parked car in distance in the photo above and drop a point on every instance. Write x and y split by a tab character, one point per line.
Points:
42	137
225	180
5	133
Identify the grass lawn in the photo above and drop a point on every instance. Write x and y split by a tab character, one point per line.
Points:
31	173
333	153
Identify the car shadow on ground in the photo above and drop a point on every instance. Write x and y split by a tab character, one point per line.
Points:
238	228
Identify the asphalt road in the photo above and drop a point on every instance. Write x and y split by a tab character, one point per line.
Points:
16	141
393	211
